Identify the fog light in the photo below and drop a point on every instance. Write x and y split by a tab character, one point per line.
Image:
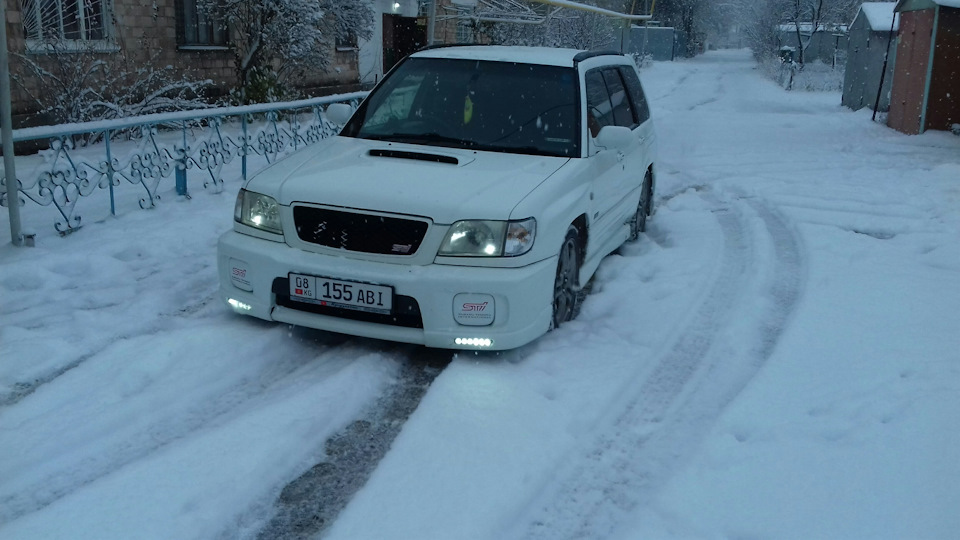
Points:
474	342
239	306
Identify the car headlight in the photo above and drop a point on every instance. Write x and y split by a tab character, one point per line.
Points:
258	211
475	238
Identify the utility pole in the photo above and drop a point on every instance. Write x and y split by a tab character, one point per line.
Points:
6	132
431	21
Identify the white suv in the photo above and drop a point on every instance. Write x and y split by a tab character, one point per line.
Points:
463	205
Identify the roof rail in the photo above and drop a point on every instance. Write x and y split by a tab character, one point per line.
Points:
581	56
446	45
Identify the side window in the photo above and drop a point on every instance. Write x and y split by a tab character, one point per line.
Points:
636	94
599	108
622	111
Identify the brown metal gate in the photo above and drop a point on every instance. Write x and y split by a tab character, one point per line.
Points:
943	103
910	73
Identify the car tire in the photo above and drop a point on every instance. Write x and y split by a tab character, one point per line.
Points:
566	289
639	222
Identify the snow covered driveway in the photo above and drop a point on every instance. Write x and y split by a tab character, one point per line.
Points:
779	357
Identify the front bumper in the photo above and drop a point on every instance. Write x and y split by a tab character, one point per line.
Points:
254	271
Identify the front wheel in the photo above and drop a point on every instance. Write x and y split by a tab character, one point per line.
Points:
566	288
639	222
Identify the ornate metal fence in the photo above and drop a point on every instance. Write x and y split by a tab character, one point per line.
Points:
144	151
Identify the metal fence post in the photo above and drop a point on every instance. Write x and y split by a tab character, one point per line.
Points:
113	205
243	153
6	131
181	173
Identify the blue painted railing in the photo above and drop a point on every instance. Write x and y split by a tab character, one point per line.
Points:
146	150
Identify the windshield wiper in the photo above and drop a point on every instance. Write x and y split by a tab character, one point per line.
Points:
422	138
454	142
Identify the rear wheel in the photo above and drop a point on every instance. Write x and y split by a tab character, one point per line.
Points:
566	289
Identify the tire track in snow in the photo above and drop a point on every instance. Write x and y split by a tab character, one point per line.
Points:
309	504
83	468
719	93
22	389
702	373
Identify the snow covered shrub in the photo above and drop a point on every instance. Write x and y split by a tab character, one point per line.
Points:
642	60
813	76
262	86
85	84
818	77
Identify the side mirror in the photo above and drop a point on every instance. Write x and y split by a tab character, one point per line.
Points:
339	113
614	137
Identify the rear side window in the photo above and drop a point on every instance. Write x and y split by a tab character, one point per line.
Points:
636	94
608	101
599	108
622	111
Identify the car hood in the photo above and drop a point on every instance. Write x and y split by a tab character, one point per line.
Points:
444	184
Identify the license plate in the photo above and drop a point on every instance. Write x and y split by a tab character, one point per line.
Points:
341	294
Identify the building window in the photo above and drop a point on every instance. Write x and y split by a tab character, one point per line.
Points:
65	22
346	42
198	27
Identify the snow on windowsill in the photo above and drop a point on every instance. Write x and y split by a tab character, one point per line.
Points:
203	48
39	46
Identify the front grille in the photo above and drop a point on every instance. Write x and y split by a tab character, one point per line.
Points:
406	310
353	231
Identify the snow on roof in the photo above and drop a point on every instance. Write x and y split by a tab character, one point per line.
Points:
878	16
946	3
528	55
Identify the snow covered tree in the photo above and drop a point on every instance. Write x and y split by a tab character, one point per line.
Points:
558	28
583	30
807	17
691	17
761	19
277	42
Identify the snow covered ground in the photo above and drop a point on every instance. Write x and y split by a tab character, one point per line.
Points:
779	357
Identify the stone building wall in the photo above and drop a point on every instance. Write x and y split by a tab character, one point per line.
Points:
145	34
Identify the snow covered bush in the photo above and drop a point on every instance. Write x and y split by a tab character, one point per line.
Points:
84	84
819	77
813	76
642	60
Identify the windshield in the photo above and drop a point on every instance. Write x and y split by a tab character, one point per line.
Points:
480	105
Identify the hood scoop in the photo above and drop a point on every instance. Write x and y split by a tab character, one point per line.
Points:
418	156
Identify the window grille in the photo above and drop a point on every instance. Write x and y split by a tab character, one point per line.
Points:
65	21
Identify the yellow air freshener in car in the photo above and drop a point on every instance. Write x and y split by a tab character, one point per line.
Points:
467	110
